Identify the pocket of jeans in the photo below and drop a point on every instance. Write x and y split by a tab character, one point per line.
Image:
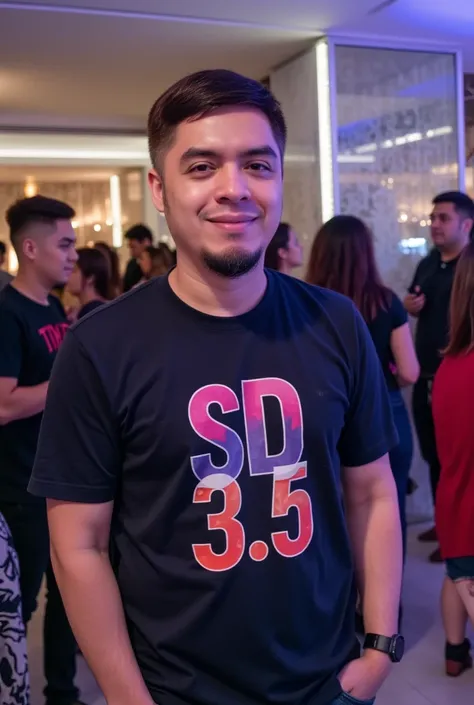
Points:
349	699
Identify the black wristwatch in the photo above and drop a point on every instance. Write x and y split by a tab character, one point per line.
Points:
393	646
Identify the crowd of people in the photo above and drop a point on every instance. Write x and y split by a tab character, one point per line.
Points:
217	501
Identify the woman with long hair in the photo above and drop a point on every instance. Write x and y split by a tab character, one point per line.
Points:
155	261
114	267
453	413
90	280
342	258
284	252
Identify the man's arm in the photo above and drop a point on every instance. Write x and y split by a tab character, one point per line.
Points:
80	557
15	402
20	402
371	507
77	467
374	528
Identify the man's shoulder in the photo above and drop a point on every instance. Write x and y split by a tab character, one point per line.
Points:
314	296
126	312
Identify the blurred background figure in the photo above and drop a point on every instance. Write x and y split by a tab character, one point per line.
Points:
342	259
155	261
14	677
5	277
428	298
284	253
453	411
139	237
90	281
33	325
114	267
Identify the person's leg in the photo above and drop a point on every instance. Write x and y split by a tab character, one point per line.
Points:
59	648
423	418
465	589
14	677
454	615
401	457
29	528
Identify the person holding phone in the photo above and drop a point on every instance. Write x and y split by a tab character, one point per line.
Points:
428	300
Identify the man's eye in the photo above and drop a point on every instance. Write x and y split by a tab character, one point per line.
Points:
200	168
259	166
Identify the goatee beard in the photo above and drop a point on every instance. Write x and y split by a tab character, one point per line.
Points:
233	263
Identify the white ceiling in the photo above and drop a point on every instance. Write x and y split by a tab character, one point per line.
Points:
74	64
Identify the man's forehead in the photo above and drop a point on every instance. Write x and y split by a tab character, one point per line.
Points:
444	208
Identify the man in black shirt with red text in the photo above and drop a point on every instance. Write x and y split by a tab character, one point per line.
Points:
33	325
194	467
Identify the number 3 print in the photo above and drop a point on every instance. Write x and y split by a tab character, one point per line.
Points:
283	500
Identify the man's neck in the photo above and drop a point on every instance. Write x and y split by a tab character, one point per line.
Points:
216	295
448	256
30	287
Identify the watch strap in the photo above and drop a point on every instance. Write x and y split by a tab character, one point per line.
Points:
378	642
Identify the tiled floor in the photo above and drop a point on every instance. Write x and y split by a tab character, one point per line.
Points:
418	680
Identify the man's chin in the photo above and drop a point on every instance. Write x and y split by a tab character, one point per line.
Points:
233	262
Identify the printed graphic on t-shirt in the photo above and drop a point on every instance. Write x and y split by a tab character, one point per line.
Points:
53	335
286	468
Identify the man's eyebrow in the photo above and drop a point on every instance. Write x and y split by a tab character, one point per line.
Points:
201	153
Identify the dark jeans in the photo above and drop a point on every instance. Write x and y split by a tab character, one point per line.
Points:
401	457
29	528
424	425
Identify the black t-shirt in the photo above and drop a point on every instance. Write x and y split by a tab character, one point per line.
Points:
381	328
30	337
88	308
133	275
435	278
221	441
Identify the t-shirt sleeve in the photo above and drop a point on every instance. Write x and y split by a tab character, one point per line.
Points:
398	314
11	349
78	458
369	431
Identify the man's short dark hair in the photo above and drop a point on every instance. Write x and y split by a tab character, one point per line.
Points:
38	209
463	204
139	232
199	94
3	248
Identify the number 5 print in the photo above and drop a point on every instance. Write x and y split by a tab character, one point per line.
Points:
283	500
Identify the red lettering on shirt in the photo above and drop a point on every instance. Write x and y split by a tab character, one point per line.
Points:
53	335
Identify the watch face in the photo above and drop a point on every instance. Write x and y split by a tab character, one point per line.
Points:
398	648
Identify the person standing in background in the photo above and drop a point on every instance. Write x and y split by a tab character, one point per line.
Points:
14	675
5	277
342	259
284	252
139	237
33	325
90	281
453	413
112	257
155	261
428	300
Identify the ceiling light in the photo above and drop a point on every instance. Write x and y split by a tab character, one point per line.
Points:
97	228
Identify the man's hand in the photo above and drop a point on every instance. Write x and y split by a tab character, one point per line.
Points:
414	303
363	677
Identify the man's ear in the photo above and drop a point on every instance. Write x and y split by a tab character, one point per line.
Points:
155	183
29	248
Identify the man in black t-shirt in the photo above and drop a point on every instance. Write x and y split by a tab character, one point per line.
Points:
201	537
33	325
138	238
428	300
